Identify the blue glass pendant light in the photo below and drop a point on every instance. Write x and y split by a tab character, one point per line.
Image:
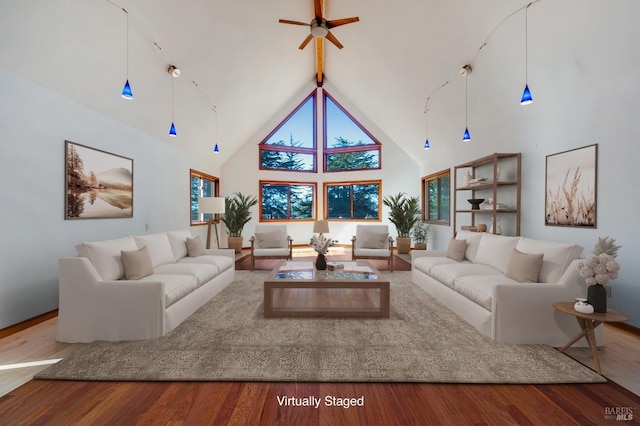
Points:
426	144
126	90
466	137
526	94
174	72
216	150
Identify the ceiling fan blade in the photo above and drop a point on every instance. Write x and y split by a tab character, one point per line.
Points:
287	21
317	8
337	22
306	41
334	40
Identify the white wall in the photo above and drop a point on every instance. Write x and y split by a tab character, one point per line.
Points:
34	123
400	173
586	89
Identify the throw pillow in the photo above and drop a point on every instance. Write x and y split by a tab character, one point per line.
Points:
137	263
375	240
195	247
524	267
456	249
268	239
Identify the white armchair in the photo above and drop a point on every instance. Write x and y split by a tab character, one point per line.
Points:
270	242
372	242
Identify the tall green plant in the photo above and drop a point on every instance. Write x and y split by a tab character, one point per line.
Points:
237	212
405	212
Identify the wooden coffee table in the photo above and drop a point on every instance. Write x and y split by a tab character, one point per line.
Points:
587	323
297	289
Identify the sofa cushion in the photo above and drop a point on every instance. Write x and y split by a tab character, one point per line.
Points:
424	264
202	271
374	240
268	239
456	249
195	247
175	286
448	273
159	247
106	257
137	263
495	250
556	259
222	262
178	242
480	289
473	242
367	252
524	267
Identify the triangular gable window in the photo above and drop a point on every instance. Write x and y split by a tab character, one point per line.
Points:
292	145
347	145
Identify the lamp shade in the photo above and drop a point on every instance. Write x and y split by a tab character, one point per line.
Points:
211	205
320	227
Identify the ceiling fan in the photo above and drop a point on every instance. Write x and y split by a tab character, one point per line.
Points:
320	27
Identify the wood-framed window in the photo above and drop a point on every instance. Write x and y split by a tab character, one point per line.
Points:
436	191
287	201
348	146
201	185
291	146
358	200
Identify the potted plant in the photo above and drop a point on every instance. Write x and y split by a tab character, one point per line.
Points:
237	214
420	233
405	212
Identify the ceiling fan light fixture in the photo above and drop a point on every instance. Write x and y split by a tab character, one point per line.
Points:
319	30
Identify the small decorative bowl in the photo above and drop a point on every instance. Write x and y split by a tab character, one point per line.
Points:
475	203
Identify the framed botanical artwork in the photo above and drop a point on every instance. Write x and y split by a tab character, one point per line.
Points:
571	186
98	184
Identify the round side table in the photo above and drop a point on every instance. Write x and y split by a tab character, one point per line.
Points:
588	322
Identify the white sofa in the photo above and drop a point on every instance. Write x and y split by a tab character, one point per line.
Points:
98	303
506	310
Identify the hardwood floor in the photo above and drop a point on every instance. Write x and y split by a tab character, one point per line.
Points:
27	401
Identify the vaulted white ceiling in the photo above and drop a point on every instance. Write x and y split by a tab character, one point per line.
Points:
234	55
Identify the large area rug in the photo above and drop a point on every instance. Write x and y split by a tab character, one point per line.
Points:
229	340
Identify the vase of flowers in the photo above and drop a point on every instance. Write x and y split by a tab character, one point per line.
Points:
598	270
321	245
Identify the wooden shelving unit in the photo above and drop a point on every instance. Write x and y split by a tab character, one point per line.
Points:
502	171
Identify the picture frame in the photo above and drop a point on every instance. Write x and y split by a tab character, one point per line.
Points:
98	184
571	188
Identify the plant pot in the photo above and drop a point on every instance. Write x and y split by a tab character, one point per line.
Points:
235	243
404	244
321	262
597	297
420	246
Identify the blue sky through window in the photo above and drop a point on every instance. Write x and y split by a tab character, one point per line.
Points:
299	126
339	124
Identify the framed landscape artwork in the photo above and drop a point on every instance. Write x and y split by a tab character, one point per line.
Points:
97	184
571	183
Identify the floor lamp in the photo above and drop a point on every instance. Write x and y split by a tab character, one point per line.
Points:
213	206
